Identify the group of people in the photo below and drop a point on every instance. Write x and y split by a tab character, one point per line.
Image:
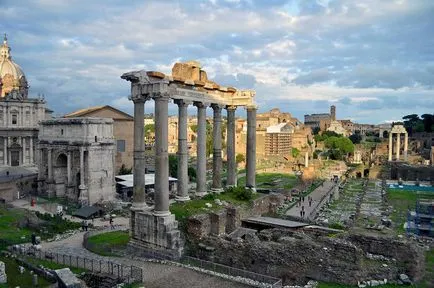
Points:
301	203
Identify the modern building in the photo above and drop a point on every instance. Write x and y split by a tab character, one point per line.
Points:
122	131
19	114
278	139
77	158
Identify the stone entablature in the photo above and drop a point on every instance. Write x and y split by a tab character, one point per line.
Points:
76	159
84	131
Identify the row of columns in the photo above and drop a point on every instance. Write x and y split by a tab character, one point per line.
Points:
161	183
6	153
398	146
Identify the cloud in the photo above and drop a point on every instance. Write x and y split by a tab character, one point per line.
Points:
363	56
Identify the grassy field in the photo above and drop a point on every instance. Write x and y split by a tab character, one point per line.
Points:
196	206
272	180
402	200
106	244
12	232
16	279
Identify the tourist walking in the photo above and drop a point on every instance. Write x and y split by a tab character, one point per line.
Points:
111	223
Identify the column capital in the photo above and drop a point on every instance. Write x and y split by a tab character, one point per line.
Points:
200	104
215	106
182	102
231	107
161	96
251	107
138	99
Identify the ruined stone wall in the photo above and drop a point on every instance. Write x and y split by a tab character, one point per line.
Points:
228	219
411	173
297	257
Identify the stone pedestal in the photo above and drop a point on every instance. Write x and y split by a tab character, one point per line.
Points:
3	277
155	236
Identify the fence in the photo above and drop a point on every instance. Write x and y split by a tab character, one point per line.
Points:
128	273
227	270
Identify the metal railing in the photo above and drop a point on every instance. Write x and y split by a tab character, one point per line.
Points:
128	273
272	282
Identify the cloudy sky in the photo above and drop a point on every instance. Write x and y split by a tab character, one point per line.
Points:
373	59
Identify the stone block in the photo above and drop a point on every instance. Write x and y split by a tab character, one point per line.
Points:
3	276
218	223
67	279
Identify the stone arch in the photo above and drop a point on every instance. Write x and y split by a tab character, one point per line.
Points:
62	160
385	134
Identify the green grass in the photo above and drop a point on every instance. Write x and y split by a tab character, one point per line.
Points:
263	180
52	265
107	244
402	200
16	279
183	210
10	233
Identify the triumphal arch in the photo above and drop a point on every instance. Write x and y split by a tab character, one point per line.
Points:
155	229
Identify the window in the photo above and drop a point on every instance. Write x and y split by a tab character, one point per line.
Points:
120	144
61	131
96	138
14	119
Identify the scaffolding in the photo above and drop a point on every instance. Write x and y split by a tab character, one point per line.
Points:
420	221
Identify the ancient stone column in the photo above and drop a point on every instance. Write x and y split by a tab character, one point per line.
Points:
405	146
82	185
201	188
251	147
161	195
139	155
390	146
31	151
68	167
398	145
230	146
217	149
50	165
306	159
5	151
182	153
24	150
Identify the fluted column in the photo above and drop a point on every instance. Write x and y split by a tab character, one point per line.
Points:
50	165
161	195
398	145
5	151
82	184
24	151
201	188
230	147
182	153
390	145
31	151
217	149
405	146
251	147
139	155
68	167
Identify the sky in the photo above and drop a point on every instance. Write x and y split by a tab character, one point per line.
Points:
373	59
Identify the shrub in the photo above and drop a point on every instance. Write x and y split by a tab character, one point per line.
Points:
241	193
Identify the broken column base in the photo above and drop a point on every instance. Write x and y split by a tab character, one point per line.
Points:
155	236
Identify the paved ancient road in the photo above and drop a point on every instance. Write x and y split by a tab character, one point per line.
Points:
316	195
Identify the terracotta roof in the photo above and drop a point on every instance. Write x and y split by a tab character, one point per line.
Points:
86	111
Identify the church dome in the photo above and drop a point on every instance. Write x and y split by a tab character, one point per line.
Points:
12	77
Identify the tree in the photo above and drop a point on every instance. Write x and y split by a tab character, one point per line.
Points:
428	121
315	130
124	170
240	158
339	146
410	122
295	152
149	130
356	138
173	166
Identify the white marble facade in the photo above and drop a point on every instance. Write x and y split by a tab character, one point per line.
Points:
77	159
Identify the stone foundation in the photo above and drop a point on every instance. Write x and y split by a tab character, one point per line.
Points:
156	236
